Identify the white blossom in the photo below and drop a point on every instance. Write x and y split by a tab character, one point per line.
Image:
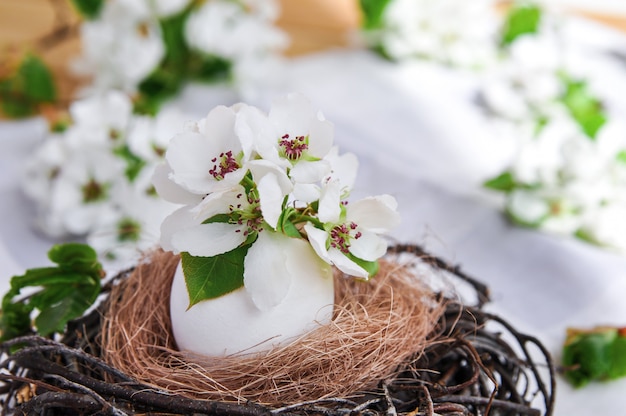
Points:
122	46
265	180
358	234
448	31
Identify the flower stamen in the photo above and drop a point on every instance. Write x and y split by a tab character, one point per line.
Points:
293	148
93	191
224	164
341	236
251	217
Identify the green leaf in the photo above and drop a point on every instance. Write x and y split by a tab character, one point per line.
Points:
285	224
168	78
618	357
134	164
221	218
589	355
31	85
371	267
63	292
503	182
208	68
521	20
586	109
73	302
74	254
373	12
289	229
88	8
621	156
212	277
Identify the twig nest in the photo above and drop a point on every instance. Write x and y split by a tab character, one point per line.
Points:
233	323
376	327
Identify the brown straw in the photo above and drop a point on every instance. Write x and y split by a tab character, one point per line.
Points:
377	325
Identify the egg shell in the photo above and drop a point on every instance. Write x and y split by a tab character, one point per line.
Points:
232	323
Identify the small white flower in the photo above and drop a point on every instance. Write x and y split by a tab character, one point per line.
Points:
81	191
294	136
133	227
101	119
234	31
122	46
210	157
358	234
447	31
149	137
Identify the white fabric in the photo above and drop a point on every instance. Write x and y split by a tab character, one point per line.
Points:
420	138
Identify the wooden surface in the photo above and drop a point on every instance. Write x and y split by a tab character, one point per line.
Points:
312	25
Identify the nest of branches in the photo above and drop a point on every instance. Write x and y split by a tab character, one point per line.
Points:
394	347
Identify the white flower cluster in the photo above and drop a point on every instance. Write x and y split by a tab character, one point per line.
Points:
457	33
251	178
94	178
569	174
126	42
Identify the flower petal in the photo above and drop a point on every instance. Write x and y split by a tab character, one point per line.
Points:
271	197
180	219
321	135
260	168
368	246
377	213
293	113
343	168
208	240
330	202
346	265
266	276
220	202
219	128
317	239
309	172
189	156
170	190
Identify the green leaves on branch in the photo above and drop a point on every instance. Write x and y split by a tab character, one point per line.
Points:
60	293
22	92
212	277
521	20
592	355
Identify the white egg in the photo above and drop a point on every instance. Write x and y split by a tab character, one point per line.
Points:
232	323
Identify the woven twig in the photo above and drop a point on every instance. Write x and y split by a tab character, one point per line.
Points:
470	363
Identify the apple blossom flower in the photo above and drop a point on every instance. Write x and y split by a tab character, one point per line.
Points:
133	227
447	31
294	136
80	194
121	46
353	235
210	156
102	118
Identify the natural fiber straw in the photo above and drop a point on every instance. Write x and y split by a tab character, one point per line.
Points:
376	327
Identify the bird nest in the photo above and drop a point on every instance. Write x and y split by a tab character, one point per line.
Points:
395	346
